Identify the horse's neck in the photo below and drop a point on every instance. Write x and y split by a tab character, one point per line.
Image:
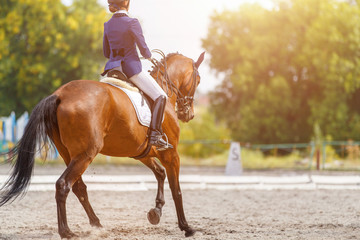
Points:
166	86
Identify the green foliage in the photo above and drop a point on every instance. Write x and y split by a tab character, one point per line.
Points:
287	69
202	129
44	44
252	159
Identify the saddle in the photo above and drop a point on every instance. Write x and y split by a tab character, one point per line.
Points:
118	75
125	83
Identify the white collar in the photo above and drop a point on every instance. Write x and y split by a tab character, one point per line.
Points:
122	11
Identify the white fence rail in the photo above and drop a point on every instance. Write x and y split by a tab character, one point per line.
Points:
11	131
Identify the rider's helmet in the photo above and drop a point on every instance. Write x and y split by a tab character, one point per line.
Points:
116	4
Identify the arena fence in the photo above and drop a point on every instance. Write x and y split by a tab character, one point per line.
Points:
11	131
321	152
319	155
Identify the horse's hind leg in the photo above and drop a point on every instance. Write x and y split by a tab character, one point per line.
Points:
79	188
155	213
73	172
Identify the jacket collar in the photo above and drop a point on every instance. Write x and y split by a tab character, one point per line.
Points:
116	15
122	11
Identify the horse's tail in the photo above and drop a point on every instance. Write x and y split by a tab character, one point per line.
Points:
41	126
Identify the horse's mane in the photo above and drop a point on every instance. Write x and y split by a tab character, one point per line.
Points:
167	85
162	61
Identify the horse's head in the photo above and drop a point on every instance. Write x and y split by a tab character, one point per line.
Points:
182	78
187	87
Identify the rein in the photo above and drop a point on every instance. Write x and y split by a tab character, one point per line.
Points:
183	103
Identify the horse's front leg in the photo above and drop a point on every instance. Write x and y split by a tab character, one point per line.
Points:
171	161
155	213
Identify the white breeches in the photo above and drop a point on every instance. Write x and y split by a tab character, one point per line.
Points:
148	85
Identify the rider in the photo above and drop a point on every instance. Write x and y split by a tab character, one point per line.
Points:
121	35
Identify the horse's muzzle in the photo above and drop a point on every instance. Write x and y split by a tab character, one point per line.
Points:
185	116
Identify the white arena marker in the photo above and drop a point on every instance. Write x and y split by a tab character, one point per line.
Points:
233	166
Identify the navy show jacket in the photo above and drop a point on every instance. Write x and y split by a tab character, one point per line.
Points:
121	35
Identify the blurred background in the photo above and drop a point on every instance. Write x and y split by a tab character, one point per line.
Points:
281	77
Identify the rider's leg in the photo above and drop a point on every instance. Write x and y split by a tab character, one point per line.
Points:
150	87
156	134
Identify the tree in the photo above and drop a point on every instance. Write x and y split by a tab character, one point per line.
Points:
332	49
44	44
287	69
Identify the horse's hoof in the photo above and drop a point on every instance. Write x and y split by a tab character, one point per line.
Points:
68	234
189	232
154	216
96	224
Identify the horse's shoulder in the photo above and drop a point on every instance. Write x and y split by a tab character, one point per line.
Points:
171	118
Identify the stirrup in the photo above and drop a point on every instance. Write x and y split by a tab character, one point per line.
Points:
167	144
160	143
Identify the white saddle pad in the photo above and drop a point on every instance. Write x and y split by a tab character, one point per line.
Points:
141	105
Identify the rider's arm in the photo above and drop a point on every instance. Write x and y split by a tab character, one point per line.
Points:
139	38
106	45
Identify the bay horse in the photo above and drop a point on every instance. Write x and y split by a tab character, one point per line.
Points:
83	118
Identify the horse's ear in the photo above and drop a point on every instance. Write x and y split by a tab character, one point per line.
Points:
200	60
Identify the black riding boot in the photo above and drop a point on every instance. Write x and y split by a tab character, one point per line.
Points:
156	134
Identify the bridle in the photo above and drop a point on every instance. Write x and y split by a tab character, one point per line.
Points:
183	102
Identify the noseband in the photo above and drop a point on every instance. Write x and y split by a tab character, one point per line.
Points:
183	102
